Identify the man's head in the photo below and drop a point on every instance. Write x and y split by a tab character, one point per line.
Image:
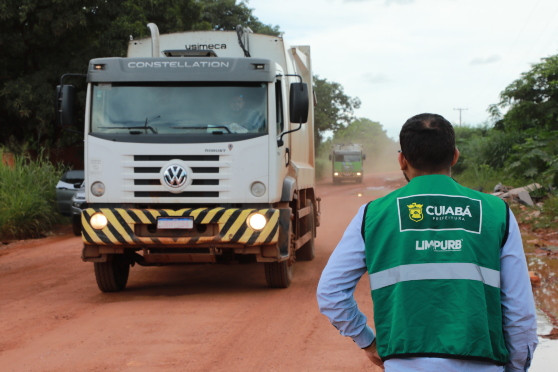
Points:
428	143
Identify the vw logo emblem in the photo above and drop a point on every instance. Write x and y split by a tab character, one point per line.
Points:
175	176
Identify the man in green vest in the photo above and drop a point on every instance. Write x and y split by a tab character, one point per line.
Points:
447	270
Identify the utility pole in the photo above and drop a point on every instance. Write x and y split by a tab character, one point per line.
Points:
460	109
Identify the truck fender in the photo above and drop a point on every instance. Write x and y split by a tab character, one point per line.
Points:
289	187
284	232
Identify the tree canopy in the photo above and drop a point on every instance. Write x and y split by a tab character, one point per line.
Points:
524	140
532	100
334	109
42	39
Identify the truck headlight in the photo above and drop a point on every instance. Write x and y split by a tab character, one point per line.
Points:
359	174
335	174
98	221
257	189
256	221
98	188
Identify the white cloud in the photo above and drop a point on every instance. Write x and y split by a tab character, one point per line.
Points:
375	78
424	56
485	60
399	2
387	2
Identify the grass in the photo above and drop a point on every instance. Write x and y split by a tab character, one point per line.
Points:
484	178
27	197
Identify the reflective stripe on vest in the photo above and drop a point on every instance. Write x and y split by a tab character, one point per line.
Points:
426	271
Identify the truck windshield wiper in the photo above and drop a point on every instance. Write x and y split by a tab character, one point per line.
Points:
148	126
144	127
211	126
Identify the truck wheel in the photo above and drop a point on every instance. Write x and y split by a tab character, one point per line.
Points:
278	274
112	275
306	252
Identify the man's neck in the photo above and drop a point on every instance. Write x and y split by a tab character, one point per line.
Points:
411	173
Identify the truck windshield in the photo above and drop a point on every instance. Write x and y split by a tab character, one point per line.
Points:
348	157
170	109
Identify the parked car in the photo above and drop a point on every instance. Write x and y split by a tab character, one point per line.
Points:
78	204
66	188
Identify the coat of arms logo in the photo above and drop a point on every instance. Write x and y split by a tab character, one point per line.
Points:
415	212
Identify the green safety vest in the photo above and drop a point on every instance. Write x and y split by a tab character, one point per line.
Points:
433	257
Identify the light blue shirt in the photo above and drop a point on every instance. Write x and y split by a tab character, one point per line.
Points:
347	265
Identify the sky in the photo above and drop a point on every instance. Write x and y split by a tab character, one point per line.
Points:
405	57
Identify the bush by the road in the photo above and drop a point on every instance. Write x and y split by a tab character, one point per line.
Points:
27	196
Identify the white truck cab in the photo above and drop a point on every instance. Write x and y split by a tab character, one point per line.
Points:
198	148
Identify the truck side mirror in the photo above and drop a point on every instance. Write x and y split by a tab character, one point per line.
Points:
363	156
65	98
329	156
298	103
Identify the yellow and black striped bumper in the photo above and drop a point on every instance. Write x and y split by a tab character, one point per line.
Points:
230	227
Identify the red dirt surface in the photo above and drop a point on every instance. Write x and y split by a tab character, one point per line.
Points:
177	318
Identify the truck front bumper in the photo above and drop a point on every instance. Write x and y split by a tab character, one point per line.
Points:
138	228
347	175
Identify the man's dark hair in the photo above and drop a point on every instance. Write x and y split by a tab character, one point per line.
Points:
428	142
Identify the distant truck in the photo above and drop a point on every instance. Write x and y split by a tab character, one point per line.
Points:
347	163
199	148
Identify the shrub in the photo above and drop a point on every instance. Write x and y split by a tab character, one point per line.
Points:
27	197
537	158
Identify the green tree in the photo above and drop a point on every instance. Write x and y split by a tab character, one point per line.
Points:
532	111
532	100
362	130
42	39
226	15
334	109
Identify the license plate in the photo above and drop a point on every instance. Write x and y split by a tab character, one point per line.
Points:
175	223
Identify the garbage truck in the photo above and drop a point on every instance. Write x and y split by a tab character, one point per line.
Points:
198	149
347	162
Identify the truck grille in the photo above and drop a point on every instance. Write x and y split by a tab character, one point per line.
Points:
208	178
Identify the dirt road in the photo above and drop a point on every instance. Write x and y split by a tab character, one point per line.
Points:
182	318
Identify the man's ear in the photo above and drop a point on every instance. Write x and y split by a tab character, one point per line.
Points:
455	157
402	161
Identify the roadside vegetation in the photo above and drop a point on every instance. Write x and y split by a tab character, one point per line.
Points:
490	157
521	147
27	196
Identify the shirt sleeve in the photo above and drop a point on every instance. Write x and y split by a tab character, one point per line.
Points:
518	305
338	281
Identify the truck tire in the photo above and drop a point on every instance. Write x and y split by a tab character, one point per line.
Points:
306	252
278	274
112	275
